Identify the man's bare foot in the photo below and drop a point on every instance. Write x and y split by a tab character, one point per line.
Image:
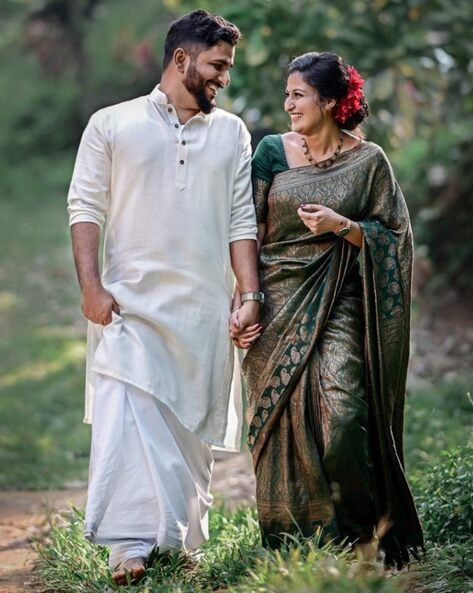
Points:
132	570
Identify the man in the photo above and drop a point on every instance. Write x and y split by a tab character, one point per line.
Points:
168	176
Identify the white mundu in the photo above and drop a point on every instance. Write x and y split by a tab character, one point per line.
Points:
149	476
171	198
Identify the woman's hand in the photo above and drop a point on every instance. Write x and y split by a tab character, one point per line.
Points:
241	332
320	219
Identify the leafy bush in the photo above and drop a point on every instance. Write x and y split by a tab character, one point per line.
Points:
444	497
450	568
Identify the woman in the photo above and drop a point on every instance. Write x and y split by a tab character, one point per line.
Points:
326	378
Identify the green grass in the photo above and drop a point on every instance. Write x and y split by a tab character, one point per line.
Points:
42	440
437	418
234	561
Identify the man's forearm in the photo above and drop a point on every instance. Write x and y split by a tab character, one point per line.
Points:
85	247
243	256
97	303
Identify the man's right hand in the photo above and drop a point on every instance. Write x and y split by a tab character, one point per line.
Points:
98	304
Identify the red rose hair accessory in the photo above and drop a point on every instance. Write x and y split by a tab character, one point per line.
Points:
351	103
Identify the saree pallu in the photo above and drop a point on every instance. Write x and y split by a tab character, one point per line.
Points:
326	380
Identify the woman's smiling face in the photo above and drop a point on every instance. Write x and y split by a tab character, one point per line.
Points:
303	105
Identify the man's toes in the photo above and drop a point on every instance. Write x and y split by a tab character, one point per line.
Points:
133	570
119	577
137	572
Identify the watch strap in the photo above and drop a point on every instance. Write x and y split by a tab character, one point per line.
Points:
252	296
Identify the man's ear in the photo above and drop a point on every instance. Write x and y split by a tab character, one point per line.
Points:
180	57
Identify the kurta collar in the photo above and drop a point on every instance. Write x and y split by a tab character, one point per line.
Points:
160	98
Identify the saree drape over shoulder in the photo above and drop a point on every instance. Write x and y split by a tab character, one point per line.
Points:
326	379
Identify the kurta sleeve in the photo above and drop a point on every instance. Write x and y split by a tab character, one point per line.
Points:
89	191
242	220
262	175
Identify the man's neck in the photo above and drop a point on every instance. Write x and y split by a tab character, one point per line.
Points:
184	103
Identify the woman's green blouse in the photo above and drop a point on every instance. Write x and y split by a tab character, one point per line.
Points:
269	158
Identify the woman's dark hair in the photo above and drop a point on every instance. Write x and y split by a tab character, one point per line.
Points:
198	30
327	73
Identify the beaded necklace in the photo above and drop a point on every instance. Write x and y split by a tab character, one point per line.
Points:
326	162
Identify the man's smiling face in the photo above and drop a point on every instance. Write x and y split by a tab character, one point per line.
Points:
208	71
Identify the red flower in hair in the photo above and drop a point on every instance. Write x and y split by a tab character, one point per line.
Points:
351	103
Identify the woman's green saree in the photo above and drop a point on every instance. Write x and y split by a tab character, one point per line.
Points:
326	379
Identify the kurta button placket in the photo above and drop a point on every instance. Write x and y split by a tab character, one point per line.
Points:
182	159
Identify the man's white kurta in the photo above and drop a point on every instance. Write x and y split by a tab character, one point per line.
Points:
171	198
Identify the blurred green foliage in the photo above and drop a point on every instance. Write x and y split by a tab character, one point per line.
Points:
62	59
43	442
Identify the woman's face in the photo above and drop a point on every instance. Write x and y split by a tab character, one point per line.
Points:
303	105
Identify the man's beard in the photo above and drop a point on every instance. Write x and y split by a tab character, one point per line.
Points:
195	84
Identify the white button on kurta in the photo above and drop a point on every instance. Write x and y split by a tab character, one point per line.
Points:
171	197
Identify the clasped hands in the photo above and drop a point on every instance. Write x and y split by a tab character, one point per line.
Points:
244	325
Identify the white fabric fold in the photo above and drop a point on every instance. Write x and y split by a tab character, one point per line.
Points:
149	476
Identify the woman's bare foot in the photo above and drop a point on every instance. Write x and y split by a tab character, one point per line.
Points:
132	570
366	552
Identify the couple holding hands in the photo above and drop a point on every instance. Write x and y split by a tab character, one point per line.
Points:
317	234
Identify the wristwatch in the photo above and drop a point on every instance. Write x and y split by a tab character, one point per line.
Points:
345	230
253	296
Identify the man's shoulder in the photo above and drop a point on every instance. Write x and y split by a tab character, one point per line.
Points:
118	110
230	118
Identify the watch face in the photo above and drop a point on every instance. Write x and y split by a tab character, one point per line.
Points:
343	232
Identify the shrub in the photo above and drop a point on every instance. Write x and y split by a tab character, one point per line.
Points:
444	497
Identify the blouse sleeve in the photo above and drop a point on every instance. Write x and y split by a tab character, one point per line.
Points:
262	175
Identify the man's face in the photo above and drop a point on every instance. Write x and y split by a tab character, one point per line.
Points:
208	72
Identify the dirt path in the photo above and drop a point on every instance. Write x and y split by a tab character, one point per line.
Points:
25	515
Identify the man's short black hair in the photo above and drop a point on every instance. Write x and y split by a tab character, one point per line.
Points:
198	30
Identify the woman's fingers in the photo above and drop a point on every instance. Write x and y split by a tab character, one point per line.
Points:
245	339
310	207
250	330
